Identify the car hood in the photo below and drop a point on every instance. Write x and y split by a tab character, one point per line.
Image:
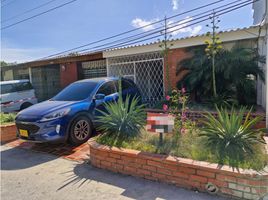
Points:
44	108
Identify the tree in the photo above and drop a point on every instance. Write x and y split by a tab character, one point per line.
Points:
3	63
236	71
165	46
213	47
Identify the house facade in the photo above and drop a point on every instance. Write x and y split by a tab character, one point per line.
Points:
144	64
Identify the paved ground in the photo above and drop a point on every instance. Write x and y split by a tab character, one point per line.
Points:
28	175
77	153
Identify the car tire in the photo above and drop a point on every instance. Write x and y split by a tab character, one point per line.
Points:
80	131
25	105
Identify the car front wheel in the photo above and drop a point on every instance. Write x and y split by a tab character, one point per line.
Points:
81	130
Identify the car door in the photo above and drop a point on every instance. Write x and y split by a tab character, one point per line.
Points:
110	93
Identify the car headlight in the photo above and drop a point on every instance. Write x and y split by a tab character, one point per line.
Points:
55	115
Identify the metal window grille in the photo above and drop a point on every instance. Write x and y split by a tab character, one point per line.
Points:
94	69
145	69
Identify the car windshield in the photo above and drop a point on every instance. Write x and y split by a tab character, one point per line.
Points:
76	92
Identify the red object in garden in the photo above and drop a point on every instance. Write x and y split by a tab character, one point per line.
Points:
160	122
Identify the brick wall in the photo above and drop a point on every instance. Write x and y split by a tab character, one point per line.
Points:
181	172
174	57
68	73
8	133
197	115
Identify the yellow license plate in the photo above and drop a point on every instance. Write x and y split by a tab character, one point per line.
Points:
23	133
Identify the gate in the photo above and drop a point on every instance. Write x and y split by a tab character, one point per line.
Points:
146	70
94	69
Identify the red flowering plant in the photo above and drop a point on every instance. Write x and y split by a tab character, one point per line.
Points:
177	106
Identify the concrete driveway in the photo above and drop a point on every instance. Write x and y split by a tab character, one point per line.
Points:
27	175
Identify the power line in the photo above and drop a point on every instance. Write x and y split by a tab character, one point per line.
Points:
135	29
27	11
149	33
208	17
49	10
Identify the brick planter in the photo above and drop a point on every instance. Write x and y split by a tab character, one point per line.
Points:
187	173
8	133
197	115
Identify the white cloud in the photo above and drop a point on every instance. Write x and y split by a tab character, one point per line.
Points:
195	30
183	27
175	4
138	22
20	55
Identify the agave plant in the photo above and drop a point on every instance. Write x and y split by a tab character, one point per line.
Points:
122	120
230	137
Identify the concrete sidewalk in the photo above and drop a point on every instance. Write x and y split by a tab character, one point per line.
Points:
27	175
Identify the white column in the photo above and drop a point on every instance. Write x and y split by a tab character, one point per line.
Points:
30	74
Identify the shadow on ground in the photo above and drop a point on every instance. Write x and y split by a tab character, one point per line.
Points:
136	188
18	156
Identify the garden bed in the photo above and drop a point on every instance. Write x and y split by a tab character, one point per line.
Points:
182	172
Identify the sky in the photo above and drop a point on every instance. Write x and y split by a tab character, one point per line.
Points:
85	21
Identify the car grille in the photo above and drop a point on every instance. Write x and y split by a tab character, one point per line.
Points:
31	128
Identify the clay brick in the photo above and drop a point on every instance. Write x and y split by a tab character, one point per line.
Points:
141	161
159	176
181	175
143	172
171	167
187	170
106	164
113	155
250	196
237	193
154	163
218	183
117	166
112	160
206	173
164	171
221	177
130	169
150	168
259	190
198	178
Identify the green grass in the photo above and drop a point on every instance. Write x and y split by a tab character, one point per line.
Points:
186	146
7	118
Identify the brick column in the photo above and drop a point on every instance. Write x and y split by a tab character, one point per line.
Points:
68	73
174	57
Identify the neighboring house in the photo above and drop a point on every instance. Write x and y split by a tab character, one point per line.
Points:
142	63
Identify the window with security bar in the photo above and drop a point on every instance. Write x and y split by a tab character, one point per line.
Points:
94	69
145	69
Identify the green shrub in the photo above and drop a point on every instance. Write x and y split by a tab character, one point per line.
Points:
7	118
122	120
231	139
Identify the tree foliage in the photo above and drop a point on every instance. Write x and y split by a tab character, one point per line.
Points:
236	72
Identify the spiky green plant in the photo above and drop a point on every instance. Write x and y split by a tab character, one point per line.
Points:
122	120
230	138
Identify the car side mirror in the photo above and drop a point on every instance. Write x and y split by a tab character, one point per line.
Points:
99	96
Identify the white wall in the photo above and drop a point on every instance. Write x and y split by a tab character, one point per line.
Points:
259	8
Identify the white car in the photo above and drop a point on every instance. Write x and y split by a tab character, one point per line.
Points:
16	95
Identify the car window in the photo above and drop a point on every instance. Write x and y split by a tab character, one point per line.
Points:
23	86
125	85
7	88
107	88
76	92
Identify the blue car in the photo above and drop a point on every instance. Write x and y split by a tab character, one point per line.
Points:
71	114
